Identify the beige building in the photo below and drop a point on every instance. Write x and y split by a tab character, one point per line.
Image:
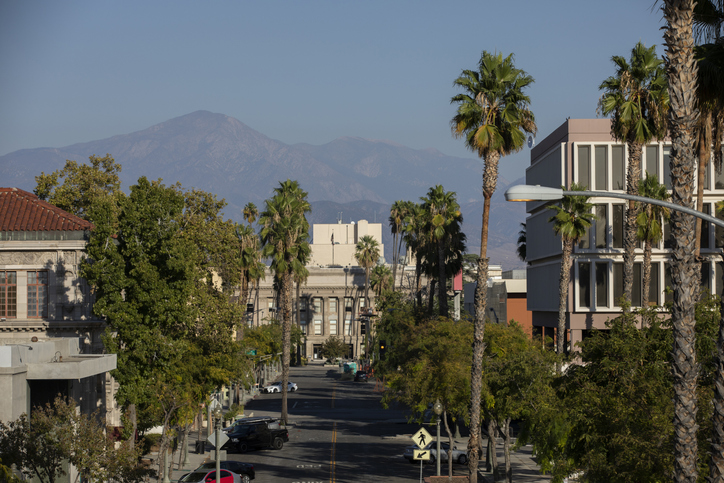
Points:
334	244
331	302
50	341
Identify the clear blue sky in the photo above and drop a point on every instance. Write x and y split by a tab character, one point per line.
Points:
298	71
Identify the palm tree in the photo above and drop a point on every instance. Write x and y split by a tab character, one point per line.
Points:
397	219
493	116
381	280
444	224
649	222
637	100
522	249
250	213
683	117
367	252
285	239
572	218
708	25
413	229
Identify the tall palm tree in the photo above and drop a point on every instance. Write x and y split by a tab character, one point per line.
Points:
708	30
493	116
285	239
367	252
250	213
637	100
572	219
650	229
683	117
397	221
522	250
444	220
413	229
381	280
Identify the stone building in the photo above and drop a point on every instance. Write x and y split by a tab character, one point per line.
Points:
50	341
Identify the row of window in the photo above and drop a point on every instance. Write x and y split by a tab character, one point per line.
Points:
607	230
318	304
602	167
37	290
600	283
332	329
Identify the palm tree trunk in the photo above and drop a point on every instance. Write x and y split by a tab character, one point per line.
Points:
716	465
395	256
431	295
394	278
704	155
629	242
646	274
563	282
442	283
682	74
490	178
418	284
286	293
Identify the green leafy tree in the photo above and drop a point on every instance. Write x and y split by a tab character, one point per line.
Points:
493	116
681	71
285	240
637	100
650	225
77	187
571	221
334	347
59	435
381	280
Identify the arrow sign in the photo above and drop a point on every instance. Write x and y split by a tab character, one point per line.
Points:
422	438
421	455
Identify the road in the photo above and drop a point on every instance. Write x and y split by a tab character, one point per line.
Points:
338	432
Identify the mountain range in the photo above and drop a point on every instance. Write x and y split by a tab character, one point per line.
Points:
347	179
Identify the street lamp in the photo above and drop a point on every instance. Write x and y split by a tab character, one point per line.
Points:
217	425
437	408
524	192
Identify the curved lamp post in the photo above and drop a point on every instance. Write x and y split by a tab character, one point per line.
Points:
437	408
525	192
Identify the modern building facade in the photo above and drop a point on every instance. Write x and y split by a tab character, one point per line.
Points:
50	341
583	151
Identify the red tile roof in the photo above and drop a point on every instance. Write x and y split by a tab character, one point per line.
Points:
23	211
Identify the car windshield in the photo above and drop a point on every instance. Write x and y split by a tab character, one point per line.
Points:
194	477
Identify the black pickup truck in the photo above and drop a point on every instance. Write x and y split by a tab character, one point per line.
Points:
264	433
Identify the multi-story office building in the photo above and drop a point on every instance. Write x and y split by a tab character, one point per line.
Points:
583	151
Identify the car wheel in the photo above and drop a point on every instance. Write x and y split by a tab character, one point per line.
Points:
463	459
278	443
242	447
432	459
245	478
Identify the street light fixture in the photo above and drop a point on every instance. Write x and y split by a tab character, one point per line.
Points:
523	192
437	408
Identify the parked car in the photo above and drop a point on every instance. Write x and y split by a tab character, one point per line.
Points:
257	434
239	421
360	376
458	456
277	387
209	476
244	470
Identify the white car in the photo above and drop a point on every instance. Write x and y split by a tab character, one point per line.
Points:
458	456
277	387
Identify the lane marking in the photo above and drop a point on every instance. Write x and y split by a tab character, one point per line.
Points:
332	463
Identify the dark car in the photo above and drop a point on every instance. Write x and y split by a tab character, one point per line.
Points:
257	434
245	470
360	376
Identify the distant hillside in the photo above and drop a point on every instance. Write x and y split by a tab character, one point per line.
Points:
358	177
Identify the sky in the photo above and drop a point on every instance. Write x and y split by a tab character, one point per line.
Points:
299	71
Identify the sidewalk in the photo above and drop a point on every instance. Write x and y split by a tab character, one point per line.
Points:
524	467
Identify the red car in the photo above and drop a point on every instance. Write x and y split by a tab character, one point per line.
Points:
206	476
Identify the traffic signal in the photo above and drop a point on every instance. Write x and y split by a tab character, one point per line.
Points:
383	349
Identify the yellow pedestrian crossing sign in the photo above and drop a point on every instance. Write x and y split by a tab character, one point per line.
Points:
422	438
421	454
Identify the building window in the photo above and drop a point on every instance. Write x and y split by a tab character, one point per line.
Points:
38	294
303	304
317	305
617	225
303	325
601	225
362	302
617	168
584	166
652	161
333	305
332	327
317	327
601	164
348	304
601	284
636	289
8	294
584	284
348	325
